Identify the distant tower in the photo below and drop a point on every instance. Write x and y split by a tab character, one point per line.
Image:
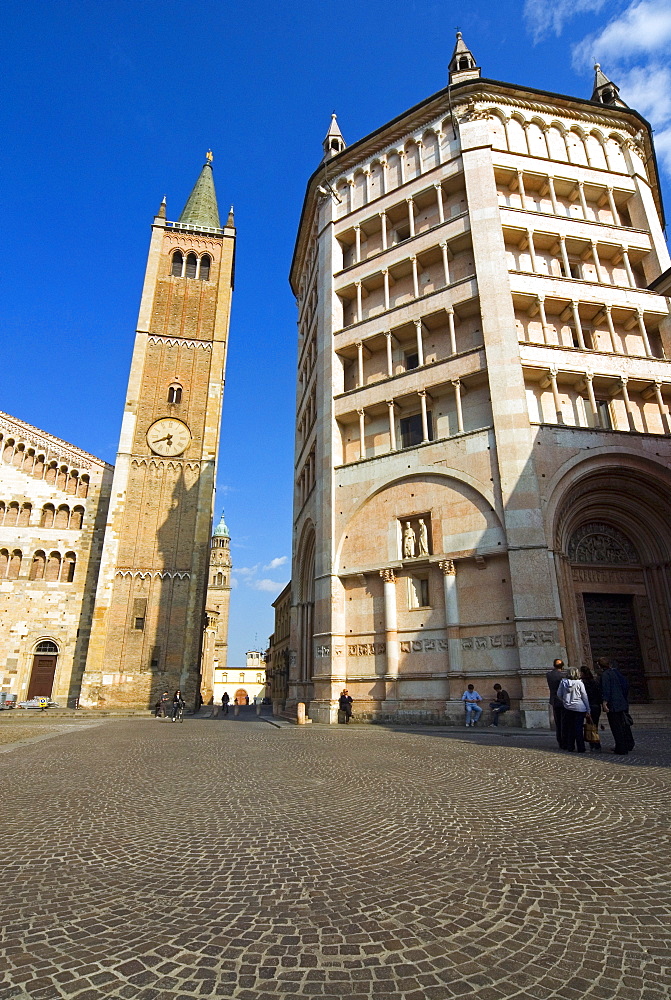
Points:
605	91
333	140
215	650
148	618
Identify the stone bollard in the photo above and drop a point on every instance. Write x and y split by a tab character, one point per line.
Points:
300	713
258	708
236	710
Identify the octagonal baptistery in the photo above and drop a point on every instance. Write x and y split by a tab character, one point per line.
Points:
482	405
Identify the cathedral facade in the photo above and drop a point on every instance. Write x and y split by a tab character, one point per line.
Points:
482	436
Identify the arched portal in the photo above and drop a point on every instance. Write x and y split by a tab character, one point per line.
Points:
613	540
241	697
45	658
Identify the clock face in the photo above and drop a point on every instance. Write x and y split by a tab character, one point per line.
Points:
168	437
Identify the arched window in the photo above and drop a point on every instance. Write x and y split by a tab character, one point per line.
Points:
191	265
83	489
14	565
62	517
175	393
4	563
2	511
62	478
47	519
73	480
204	272
24	516
12	515
68	570
77	517
53	567
37	568
177	264
46	646
50	475
38	468
8	450
18	456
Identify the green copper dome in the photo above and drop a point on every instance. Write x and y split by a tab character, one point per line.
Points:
221	531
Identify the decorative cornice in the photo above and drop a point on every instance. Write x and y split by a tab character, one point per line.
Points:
51	445
159	338
153	574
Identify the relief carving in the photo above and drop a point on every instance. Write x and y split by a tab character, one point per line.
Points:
597	542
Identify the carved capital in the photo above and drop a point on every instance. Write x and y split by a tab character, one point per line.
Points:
448	567
388	575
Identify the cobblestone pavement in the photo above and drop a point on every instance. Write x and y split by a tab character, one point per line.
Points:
164	862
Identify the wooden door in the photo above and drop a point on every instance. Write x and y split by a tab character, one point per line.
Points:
42	677
611	623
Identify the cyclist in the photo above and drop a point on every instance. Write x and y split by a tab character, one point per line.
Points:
177	706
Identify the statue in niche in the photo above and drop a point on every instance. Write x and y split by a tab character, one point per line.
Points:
409	541
423	541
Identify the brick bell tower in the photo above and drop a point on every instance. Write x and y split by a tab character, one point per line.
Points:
148	621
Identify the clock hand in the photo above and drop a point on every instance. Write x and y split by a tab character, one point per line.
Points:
167	438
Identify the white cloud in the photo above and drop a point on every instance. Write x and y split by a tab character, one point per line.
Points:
268	585
247	570
663	148
648	89
275	563
643	29
234	582
543	18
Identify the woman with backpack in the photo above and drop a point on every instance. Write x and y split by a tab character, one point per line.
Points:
575	704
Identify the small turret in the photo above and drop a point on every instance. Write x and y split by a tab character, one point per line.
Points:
462	64
162	208
605	91
333	142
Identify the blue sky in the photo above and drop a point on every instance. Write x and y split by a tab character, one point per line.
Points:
109	106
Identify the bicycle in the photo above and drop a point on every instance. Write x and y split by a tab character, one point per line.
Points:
178	714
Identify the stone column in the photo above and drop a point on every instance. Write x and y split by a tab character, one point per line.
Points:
451	614
359	361
385	278
589	380
383	225
415	277
390	623
392	425
644	332
446	262
457	402
520	184
613	207
544	320
532	251
564	257
553	195
425	419
362	433
420	345
627	402
663	409
357	244
439	200
581	195
552	375
578	325
390	356
611	329
627	267
597	263
411	216
450	323
359	302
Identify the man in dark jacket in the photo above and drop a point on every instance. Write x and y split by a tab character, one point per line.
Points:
554	678
615	694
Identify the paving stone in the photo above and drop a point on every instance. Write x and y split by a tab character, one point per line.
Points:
372	864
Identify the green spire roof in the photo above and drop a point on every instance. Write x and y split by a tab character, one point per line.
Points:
221	531
201	208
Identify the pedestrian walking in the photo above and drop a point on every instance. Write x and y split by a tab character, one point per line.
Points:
593	689
615	694
501	705
571	692
345	705
161	706
471	700
554	678
225	699
177	704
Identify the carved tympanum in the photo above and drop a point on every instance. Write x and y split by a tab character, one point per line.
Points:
601	543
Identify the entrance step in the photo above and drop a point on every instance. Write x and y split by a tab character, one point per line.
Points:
657	713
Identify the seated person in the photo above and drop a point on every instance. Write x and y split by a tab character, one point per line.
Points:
471	700
501	705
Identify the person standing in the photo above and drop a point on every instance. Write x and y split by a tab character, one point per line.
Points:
575	702
615	694
345	704
177	704
471	700
501	705
554	678
225	698
593	688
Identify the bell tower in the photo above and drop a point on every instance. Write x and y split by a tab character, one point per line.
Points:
149	616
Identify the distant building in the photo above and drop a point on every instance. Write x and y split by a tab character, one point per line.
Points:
482	428
242	682
278	655
53	506
217	607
